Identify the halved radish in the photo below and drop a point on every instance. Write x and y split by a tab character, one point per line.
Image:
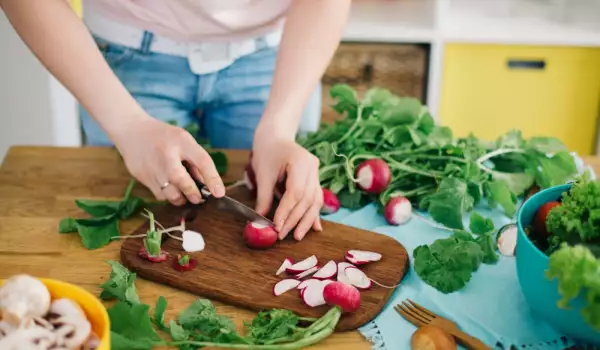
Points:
331	203
327	271
357	278
341	275
284	285
343	295
286	263
303	265
361	257
307	272
307	282
313	294
373	175
397	210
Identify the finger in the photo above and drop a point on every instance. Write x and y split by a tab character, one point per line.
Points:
265	188
155	189
313	196
308	220
206	167
317	226
173	195
293	201
181	179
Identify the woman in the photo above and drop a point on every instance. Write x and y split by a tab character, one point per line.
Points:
250	66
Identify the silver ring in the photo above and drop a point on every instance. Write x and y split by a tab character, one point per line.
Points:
165	185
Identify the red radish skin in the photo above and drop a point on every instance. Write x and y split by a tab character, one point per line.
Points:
361	257
356	261
357	278
286	263
143	253
331	203
327	271
259	236
307	272
398	211
187	267
373	175
284	286
343	295
303	265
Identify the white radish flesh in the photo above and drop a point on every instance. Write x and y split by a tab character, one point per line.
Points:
308	282
307	272
507	241
373	175
357	278
192	241
355	261
341	275
397	211
313	294
286	263
284	286
327	271
303	265
363	256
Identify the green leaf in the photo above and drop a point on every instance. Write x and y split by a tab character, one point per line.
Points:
500	193
130	206
177	332
555	170
448	205
324	152
131	324
426	124
351	200
220	160
488	247
440	136
201	316
272	324
67	225
345	96
121	285
159	313
546	145
517	183
98	208
97	232
512	139
398	135
480	225
378	97
405	111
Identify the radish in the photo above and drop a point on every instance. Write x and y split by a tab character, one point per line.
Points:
184	263
331	203
284	286
357	278
192	241
303	265
307	272
143	253
308	282
361	257
312	295
286	263
327	271
259	236
343	295
341	275
373	175
397	210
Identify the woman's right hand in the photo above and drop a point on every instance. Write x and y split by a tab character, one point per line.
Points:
153	152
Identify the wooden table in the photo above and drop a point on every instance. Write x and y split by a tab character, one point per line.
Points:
38	186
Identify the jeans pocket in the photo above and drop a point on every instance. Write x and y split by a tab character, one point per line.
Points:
114	54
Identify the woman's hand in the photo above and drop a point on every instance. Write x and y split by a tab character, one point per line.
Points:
273	158
153	152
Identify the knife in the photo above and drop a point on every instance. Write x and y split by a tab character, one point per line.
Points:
227	203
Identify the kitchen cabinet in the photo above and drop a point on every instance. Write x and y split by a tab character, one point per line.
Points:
541	90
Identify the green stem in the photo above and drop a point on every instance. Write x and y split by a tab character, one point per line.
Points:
498	152
400	166
353	127
129	189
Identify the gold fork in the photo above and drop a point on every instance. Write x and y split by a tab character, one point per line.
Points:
420	316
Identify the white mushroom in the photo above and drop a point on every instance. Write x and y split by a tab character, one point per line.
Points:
36	338
66	307
23	297
71	331
5	329
92	342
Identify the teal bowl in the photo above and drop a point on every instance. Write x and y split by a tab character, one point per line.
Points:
542	294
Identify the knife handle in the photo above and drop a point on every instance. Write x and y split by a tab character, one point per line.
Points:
204	192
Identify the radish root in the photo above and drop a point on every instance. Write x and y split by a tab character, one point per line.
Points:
180	227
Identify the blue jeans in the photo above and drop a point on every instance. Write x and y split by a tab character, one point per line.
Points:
226	104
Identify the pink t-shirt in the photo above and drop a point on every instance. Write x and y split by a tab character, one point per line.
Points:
196	20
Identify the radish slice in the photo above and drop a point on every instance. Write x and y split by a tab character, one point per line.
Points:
327	271
362	255
341	275
304	284
313	294
286	263
303	265
284	285
192	241
357	278
356	261
307	272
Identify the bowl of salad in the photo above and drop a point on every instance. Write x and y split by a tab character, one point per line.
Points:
558	257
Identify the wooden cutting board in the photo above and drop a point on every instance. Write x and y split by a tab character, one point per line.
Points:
232	273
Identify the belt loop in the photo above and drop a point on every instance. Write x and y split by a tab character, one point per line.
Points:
147	42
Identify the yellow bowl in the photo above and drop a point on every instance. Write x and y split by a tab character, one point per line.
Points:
93	308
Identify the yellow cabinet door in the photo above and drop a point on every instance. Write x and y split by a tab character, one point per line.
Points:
542	91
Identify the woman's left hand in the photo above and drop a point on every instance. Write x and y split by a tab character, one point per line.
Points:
275	158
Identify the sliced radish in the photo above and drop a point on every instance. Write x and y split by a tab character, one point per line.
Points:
308	282
313	294
373	175
361	257
357	278
192	241
286	263
341	275
331	203
397	211
343	295
307	272
285	285
327	271
356	261
303	265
